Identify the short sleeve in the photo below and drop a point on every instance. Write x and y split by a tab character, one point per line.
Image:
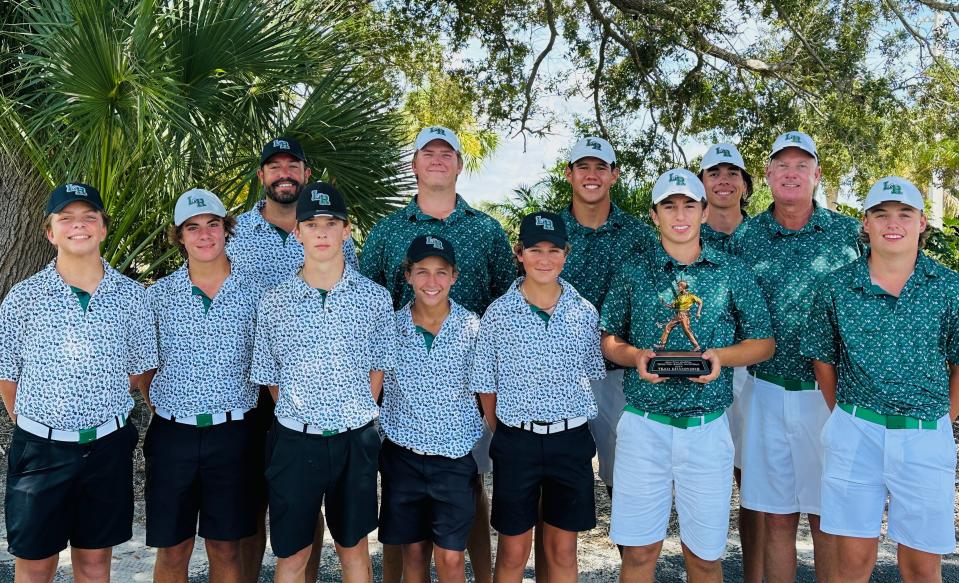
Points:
483	372
383	341
141	333
264	369
750	308
820	339
12	322
349	253
614	315
372	262
502	265
594	364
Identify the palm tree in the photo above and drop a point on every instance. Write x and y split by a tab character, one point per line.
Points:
146	99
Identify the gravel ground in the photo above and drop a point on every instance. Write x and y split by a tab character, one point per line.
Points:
598	557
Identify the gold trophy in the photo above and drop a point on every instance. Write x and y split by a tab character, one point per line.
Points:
680	364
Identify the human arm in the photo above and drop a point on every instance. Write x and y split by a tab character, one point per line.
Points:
8	390
828	378
142	383
376	384
488	402
744	353
619	351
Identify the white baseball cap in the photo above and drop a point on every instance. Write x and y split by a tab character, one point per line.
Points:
197	202
722	154
794	139
896	189
430	133
678	181
593	147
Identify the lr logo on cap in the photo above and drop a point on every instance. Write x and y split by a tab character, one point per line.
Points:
893	188
434	242
594	145
281	144
76	189
197	202
547	224
793	138
439	131
320	197
724	152
679	180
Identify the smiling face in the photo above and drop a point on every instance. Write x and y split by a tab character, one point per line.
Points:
78	229
894	227
591	179
203	237
437	165
282	176
431	279
725	186
679	218
322	237
543	262
792	176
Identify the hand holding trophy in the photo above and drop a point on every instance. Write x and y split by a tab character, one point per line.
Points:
680	363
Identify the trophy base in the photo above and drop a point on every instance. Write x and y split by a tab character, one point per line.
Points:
679	364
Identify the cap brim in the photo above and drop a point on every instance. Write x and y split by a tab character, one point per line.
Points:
441	139
424	254
530	240
265	159
580	157
802	148
177	222
688	195
335	215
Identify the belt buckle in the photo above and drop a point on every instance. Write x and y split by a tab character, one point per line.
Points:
87	435
204	420
329	432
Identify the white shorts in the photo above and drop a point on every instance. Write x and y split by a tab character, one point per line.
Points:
739	410
484	465
656	460
610	402
782	455
915	468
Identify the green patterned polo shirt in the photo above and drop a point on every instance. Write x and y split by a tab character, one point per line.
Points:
718	239
635	310
598	254
891	353
483	253
788	265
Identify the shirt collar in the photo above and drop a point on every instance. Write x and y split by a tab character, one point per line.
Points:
55	283
259	222
404	317
413	212
820	220
518	303
616	220
349	280
860	279
182	281
660	259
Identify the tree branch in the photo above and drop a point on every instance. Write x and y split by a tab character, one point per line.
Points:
944	6
528	89
596	84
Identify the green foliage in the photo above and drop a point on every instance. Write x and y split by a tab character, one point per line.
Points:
145	100
943	244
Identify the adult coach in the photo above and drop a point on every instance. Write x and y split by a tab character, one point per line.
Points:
884	333
789	247
602	237
484	259
263	248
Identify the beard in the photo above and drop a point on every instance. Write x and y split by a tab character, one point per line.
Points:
284	197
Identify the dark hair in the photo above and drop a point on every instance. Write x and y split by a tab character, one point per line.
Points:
48	220
612	165
175	233
747	178
518	248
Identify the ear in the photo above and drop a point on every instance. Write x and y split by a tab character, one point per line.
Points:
653	215
306	174
615	173
568	173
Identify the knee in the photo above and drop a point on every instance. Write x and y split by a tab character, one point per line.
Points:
357	556
223	550
38	570
512	556
640	557
563	554
920	571
92	564
418	553
700	565
449	561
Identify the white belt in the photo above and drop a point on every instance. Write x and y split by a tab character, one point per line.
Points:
204	419
544	428
307	428
82	436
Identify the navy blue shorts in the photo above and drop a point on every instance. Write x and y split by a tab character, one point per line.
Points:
556	467
59	492
302	470
199	472
426	497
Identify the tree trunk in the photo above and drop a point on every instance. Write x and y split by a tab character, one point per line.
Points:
23	195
